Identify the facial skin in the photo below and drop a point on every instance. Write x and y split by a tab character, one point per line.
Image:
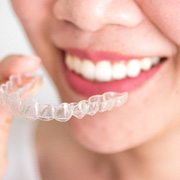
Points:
141	28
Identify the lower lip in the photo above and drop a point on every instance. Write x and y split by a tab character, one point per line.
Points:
88	88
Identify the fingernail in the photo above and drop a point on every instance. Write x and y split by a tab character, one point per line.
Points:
10	59
30	59
36	58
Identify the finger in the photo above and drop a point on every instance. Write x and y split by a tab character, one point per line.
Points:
12	65
18	65
5	124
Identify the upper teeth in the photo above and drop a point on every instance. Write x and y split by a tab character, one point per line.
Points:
106	70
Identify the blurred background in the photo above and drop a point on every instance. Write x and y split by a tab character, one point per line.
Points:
13	41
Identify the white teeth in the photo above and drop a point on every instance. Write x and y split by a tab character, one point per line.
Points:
88	70
69	61
155	60
119	71
104	71
133	68
77	65
146	64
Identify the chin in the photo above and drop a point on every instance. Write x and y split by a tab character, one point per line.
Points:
110	132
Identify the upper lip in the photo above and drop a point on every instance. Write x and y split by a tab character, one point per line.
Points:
123	44
103	55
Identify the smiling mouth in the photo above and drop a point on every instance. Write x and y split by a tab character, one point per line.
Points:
89	75
106	71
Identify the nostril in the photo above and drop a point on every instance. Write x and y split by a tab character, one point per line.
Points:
86	15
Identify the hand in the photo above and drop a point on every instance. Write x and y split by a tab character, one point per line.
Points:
8	66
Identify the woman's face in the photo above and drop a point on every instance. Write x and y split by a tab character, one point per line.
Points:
111	33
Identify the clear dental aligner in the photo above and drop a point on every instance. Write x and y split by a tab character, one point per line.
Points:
14	97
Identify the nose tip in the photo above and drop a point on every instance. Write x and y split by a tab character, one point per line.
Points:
83	15
92	15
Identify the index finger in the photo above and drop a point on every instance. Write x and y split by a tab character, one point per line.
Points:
18	65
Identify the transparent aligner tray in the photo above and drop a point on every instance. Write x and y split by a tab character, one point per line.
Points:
14	96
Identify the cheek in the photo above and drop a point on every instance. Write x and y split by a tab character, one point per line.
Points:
35	16
32	13
165	15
